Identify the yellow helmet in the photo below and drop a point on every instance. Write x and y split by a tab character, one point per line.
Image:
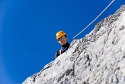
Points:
60	34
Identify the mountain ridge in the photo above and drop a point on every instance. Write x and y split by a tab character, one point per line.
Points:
98	58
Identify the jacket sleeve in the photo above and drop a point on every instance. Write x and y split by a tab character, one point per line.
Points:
56	54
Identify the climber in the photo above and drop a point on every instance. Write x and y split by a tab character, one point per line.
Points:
63	40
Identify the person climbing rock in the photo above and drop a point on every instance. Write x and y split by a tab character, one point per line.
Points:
63	41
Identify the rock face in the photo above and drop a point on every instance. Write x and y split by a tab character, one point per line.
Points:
98	58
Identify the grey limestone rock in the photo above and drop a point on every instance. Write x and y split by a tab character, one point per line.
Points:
98	58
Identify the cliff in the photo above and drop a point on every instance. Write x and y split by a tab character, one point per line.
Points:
98	58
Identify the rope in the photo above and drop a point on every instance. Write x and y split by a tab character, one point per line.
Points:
94	19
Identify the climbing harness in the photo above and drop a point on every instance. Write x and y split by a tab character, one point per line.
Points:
94	19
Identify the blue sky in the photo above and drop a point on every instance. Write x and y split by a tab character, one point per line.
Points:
28	28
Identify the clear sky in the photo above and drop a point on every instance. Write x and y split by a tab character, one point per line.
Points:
28	28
